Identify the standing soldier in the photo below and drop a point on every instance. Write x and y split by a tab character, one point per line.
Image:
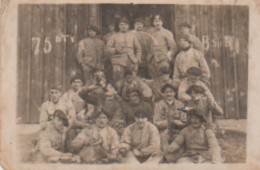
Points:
90	53
185	29
145	41
125	50
164	47
189	57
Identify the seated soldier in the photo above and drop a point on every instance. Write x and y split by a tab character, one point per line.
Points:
168	107
98	143
158	83
189	57
200	144
113	107
132	82
55	102
140	141
193	78
204	104
135	103
167	137
51	144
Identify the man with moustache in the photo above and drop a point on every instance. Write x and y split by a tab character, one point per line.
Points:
125	50
200	144
189	57
164	47
140	142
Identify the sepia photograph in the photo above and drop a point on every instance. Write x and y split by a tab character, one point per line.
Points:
126	83
123	85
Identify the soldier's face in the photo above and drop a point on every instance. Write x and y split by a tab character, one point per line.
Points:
58	123
184	44
195	121
123	26
169	93
55	95
134	97
139	26
185	30
102	120
140	121
196	96
76	84
92	33
157	23
193	78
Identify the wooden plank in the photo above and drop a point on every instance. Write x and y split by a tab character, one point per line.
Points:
241	18
36	63
228	62
24	59
59	46
48	40
71	44
181	15
215	54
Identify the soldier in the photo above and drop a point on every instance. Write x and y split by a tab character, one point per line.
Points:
52	139
164	47
134	104
185	29
90	53
125	50
53	103
200	144
147	25
193	78
169	108
189	57
98	143
207	106
140	141
145	41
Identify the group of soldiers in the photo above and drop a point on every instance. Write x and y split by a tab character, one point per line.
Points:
156	107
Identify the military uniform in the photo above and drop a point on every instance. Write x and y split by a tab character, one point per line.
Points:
187	59
90	56
163	111
200	145
90	153
164	49
184	86
146	139
126	53
48	108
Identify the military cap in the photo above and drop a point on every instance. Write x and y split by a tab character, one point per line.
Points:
124	20
139	20
94	28
56	87
196	88
62	116
77	76
141	112
185	24
195	112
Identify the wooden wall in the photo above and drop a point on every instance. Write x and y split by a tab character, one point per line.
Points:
48	36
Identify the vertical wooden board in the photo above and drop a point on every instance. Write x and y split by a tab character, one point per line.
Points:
229	63
215	43
24	59
82	17
48	69
194	20
71	42
181	15
241	19
36	63
59	46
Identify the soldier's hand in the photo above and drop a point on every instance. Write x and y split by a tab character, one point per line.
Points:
137	152
122	151
54	159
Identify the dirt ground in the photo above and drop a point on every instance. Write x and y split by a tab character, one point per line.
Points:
233	145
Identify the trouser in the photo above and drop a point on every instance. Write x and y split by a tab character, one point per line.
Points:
173	157
118	73
131	158
155	68
88	74
143	71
